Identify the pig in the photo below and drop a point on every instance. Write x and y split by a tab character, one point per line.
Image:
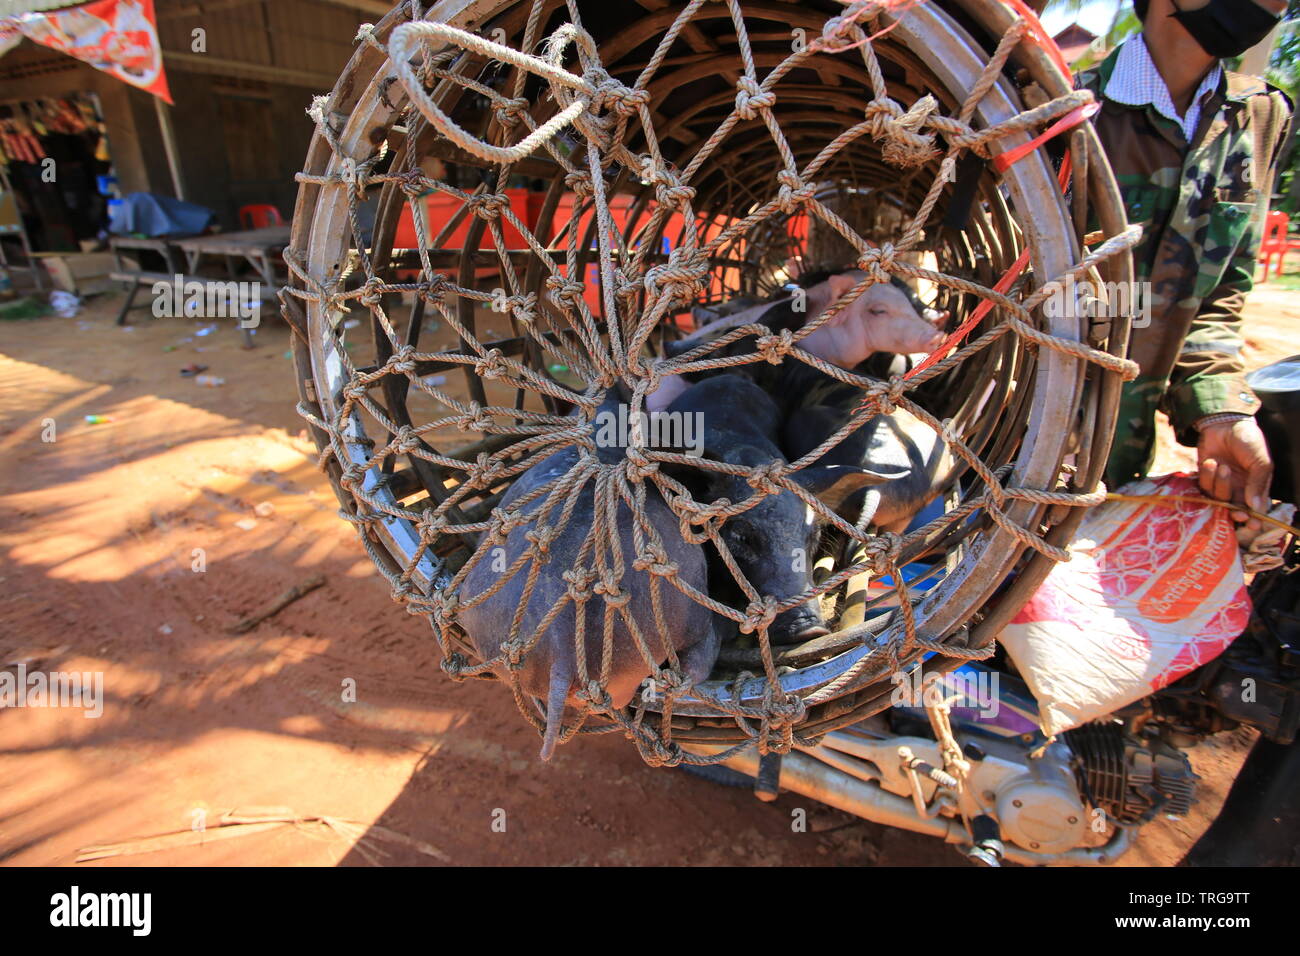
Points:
549	670
898	441
741	424
886	317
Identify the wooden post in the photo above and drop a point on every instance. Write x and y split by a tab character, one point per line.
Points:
169	146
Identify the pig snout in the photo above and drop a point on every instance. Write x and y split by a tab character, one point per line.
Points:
799	624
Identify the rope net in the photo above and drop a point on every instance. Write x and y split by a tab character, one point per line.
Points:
506	218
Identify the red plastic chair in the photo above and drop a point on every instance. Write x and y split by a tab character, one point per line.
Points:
1277	241
259	216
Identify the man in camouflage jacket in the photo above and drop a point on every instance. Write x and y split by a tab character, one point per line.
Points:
1181	135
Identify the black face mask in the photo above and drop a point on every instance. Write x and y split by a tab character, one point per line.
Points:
1226	28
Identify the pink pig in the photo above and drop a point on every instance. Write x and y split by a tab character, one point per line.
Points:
881	319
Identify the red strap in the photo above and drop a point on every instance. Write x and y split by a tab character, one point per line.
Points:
981	310
1004	161
1043	38
986	305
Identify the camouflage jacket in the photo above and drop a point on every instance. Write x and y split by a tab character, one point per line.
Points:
1203	221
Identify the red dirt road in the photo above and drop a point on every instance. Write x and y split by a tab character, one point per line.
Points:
99	530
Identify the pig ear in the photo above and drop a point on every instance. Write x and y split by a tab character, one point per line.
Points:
840	283
833	484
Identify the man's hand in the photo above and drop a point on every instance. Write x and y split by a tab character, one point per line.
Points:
1235	466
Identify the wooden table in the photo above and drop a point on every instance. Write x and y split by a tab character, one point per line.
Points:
165	246
133	278
260	248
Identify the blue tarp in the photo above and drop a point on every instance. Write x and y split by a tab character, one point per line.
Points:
144	214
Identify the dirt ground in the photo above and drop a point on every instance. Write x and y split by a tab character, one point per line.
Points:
131	547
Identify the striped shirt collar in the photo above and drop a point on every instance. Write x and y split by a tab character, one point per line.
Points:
1136	82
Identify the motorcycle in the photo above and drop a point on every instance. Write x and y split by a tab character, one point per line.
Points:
1083	797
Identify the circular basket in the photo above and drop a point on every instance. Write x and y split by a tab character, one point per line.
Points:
463	282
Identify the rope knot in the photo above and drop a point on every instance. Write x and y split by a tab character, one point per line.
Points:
454	664
670	683
579	584
654	558
501	524
355	392
486	471
878	261
412	182
475	420
430	525
403	360
765	478
639	467
561	291
372	292
335	306
611	94
794	192
781	713
836	30
708	517
540	538
750	98
786	710
488	206
353	176
774	348
759	615
491	366
680	280
523	307
656	753
669	189
434	291
509	112
904	144
579	182
625	287
880	551
445	605
352	475
512	652
608	588
885	396
674	196
405	440
595	695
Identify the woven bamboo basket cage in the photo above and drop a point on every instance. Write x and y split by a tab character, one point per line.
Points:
451	245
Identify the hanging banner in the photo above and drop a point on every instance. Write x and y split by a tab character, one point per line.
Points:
117	36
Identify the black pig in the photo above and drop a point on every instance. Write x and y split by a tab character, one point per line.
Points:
549	670
741	424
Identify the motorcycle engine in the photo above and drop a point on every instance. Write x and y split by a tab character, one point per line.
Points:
1131	779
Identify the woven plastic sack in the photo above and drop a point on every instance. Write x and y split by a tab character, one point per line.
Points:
1151	592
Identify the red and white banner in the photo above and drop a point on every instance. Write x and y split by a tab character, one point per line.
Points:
117	36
